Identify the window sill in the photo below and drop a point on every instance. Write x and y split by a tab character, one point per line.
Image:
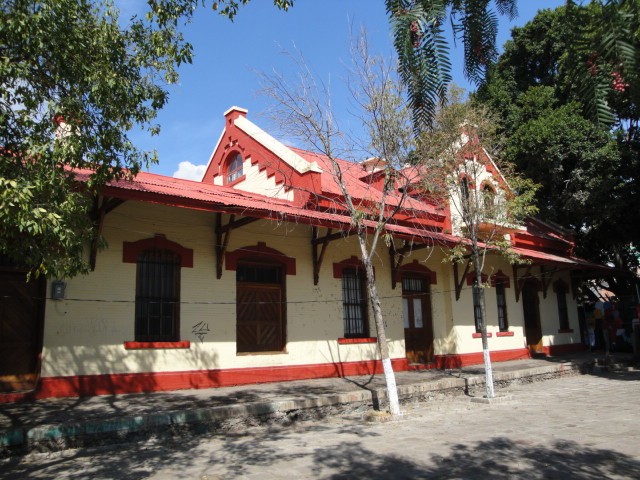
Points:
504	334
479	335
236	181
156	345
351	341
565	330
272	352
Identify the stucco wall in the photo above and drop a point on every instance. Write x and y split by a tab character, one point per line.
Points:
85	333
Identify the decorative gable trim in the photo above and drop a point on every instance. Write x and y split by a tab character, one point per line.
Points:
294	160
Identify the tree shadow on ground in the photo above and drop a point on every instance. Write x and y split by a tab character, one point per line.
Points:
498	458
353	451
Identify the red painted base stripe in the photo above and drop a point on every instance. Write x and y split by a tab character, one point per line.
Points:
89	385
464	359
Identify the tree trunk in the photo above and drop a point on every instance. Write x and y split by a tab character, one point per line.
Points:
479	291
389	376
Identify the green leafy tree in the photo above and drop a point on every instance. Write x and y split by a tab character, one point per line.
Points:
588	169
423	52
603	58
455	159
74	83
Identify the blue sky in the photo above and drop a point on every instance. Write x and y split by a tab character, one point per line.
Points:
228	55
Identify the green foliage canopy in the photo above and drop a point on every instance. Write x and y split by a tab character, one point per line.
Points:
588	169
74	83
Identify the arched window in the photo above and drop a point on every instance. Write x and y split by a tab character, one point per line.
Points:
234	167
158	265
465	197
489	201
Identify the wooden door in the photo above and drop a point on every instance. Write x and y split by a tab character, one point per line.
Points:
21	309
418	326
259	309
531	310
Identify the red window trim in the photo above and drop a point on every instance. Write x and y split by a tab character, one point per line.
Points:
504	334
479	335
261	251
416	267
131	250
156	345
352	262
227	163
350	341
237	180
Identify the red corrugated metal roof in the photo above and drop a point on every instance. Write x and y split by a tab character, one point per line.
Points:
187	193
352	173
557	259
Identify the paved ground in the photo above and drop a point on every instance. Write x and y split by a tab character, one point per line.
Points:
55	424
576	427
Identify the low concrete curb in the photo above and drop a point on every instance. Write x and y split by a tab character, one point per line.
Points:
61	436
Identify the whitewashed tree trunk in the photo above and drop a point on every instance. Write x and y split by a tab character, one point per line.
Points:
374	297
488	370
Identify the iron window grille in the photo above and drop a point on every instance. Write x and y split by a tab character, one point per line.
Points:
477	308
157	296
354	304
501	300
563	311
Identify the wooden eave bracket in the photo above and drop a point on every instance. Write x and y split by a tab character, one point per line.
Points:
459	280
223	233
546	276
518	281
101	207
319	247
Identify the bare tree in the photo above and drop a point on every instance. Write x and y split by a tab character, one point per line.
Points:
487	201
303	110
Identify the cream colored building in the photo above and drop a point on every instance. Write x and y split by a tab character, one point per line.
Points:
253	275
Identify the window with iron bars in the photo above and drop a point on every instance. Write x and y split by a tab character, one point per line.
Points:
501	300
477	308
563	311
157	296
354	303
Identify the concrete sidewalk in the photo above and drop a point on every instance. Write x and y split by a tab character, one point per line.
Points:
55	424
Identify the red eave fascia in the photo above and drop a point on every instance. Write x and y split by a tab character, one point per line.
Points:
527	240
558	260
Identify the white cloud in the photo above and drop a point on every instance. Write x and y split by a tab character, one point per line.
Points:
189	171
